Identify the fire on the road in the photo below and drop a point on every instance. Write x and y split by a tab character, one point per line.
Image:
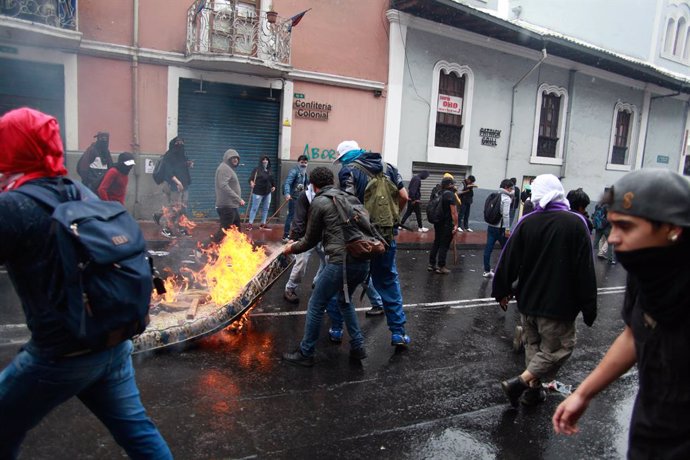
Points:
232	264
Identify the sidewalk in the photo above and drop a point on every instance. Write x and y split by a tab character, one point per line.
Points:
406	239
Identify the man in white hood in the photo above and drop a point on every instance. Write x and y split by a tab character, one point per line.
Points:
547	266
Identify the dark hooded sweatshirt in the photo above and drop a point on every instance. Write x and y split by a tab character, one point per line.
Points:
176	164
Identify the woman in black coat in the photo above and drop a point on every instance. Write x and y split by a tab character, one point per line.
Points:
262	184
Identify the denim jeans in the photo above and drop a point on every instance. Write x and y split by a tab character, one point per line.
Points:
330	284
493	234
260	200
30	387
334	312
290	215
384	276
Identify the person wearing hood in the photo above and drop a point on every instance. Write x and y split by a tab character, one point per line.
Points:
414	200
176	182
95	162
295	183
358	167
114	184
649	212
547	266
54	366
262	185
228	194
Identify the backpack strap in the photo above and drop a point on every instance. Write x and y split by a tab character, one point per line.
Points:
67	191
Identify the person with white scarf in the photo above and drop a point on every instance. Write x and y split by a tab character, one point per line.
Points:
547	265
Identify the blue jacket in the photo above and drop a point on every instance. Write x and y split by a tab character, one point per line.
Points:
353	180
30	255
294	178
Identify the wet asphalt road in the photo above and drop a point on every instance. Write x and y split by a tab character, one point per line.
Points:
232	397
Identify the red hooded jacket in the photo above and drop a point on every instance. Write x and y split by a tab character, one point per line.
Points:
30	148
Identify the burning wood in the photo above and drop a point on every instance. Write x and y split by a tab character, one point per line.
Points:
204	301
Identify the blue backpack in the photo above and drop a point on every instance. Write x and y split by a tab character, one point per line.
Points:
599	218
107	280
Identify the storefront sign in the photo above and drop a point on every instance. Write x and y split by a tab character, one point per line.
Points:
449	104
312	109
663	159
489	136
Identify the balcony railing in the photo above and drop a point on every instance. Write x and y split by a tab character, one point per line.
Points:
618	155
220	27
55	13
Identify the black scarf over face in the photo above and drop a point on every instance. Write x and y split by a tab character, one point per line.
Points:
662	276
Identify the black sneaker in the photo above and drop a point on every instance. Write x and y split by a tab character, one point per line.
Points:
533	396
513	389
374	311
358	353
431	268
298	358
157	217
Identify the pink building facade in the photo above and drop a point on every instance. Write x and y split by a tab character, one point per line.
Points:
219	73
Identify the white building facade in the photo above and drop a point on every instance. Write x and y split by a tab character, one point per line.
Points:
482	92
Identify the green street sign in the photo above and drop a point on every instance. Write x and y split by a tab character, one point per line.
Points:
299	96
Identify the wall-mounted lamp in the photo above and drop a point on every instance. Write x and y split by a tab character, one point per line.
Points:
378	93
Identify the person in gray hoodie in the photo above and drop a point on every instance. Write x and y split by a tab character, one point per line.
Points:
228	194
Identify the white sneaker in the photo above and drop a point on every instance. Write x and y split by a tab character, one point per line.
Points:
489	274
423	230
469	230
460	229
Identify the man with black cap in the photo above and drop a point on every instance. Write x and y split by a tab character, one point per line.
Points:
649	212
445	229
95	161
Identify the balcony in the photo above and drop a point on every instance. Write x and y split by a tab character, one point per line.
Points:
546	146
51	23
223	31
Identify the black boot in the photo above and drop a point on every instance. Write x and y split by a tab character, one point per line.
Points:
533	396
513	389
298	358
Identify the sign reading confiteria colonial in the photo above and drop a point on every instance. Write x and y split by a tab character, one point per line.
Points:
449	104
312	109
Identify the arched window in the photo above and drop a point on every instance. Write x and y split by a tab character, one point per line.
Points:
686	48
670	28
622	137
451	108
680	38
549	124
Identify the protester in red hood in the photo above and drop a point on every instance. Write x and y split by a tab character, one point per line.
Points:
30	147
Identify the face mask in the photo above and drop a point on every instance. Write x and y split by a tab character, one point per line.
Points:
265	163
303	167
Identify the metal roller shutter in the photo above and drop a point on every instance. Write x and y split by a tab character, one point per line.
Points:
33	84
436	172
217	116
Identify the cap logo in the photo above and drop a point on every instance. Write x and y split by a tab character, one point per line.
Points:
627	200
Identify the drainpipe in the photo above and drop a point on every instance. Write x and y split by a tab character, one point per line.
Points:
135	100
571	89
512	105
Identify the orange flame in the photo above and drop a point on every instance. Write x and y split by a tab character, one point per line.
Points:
232	264
186	223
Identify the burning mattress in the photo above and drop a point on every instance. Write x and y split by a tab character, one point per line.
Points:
201	303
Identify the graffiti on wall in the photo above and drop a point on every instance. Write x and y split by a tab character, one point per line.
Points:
315	153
